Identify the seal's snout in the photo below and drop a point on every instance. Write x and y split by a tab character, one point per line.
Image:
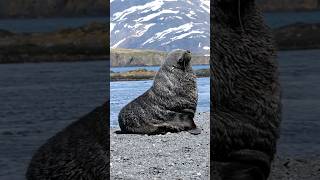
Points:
187	56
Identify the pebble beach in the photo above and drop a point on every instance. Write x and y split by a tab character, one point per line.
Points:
170	156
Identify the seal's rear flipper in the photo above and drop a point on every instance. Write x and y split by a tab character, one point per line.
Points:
246	164
195	131
241	171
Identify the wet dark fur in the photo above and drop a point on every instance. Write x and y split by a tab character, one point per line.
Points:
78	152
169	105
245	94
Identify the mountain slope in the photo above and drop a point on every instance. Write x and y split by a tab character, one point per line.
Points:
161	24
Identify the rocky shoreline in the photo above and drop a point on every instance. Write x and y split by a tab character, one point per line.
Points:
73	44
136	57
298	36
89	43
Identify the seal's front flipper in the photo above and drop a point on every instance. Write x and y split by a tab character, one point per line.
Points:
120	132
195	131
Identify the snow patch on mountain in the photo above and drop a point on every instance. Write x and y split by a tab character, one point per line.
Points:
161	24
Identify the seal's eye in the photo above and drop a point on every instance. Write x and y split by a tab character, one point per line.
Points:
180	60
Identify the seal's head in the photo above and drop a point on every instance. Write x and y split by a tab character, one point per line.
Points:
178	59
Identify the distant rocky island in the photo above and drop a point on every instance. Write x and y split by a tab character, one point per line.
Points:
90	42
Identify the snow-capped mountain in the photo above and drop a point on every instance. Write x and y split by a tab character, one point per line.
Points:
161	24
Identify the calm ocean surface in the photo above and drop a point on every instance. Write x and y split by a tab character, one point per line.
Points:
274	19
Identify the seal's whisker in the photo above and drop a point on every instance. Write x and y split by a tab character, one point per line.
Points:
239	15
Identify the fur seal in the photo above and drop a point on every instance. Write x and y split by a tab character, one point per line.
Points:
245	92
80	151
169	105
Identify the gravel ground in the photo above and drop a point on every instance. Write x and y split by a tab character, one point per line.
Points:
298	168
171	156
185	156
